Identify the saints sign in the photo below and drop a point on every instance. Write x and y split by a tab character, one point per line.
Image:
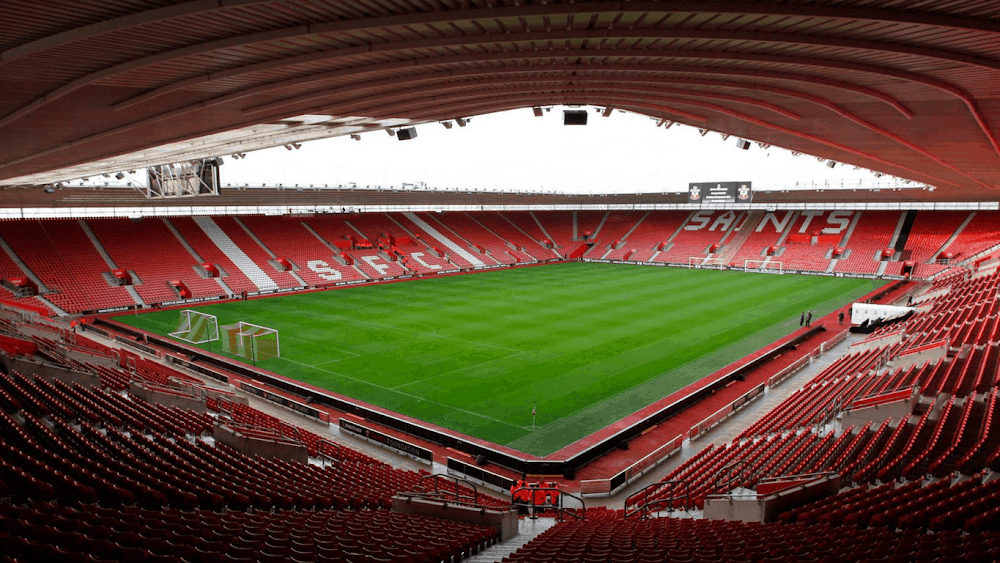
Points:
720	192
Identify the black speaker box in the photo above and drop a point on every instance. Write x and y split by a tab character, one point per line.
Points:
574	117
406	133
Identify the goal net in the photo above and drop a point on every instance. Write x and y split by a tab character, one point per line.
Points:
704	262
254	342
766	266
196	327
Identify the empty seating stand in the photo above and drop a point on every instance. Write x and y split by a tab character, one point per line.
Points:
151	250
288	238
871	236
61	255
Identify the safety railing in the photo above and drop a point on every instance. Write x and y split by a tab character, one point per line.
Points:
657	497
540	499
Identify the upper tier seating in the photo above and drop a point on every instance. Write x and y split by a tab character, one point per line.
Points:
798	252
288	238
453	256
475	233
654	230
614	229
513	233
698	235
374	263
870	237
66	261
236	233
981	234
149	249
79	284
559	225
527	221
931	229
754	247
209	252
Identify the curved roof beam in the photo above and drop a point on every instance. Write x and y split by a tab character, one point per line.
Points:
583	53
456	41
650	103
123	22
199	7
394	84
137	125
524	37
530	55
574	68
599	84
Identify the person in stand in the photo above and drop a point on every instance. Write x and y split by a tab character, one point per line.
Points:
519	495
537	500
553	494
840	317
802	318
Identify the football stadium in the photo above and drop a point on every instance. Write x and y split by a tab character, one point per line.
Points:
201	366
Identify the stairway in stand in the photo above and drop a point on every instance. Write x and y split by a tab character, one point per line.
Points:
234	253
732	247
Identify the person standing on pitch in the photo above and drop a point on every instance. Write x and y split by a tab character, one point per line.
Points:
809	317
802	318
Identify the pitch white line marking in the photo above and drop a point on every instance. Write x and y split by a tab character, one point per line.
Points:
418	397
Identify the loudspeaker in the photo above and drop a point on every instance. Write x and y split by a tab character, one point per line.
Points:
574	117
569	474
406	133
743	144
831	163
480	460
623	445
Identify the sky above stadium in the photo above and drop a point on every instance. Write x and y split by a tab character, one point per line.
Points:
514	150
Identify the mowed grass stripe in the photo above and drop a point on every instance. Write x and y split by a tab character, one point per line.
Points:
584	343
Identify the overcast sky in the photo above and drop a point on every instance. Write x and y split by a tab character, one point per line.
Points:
514	150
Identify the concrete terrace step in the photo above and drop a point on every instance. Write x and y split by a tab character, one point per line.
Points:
527	530
236	254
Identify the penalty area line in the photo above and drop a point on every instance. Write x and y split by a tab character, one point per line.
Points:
411	395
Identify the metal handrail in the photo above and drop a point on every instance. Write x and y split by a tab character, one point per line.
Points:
438	490
647	504
559	507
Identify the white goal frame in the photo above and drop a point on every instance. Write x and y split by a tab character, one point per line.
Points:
768	266
245	330
188	318
706	262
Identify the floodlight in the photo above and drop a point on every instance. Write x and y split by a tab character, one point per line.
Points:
355	136
537	111
461	122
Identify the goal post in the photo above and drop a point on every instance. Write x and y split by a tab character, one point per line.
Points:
706	262
196	327
250	341
766	266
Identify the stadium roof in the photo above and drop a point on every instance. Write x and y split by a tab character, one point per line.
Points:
90	86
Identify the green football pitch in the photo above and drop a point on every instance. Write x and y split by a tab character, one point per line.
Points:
585	344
